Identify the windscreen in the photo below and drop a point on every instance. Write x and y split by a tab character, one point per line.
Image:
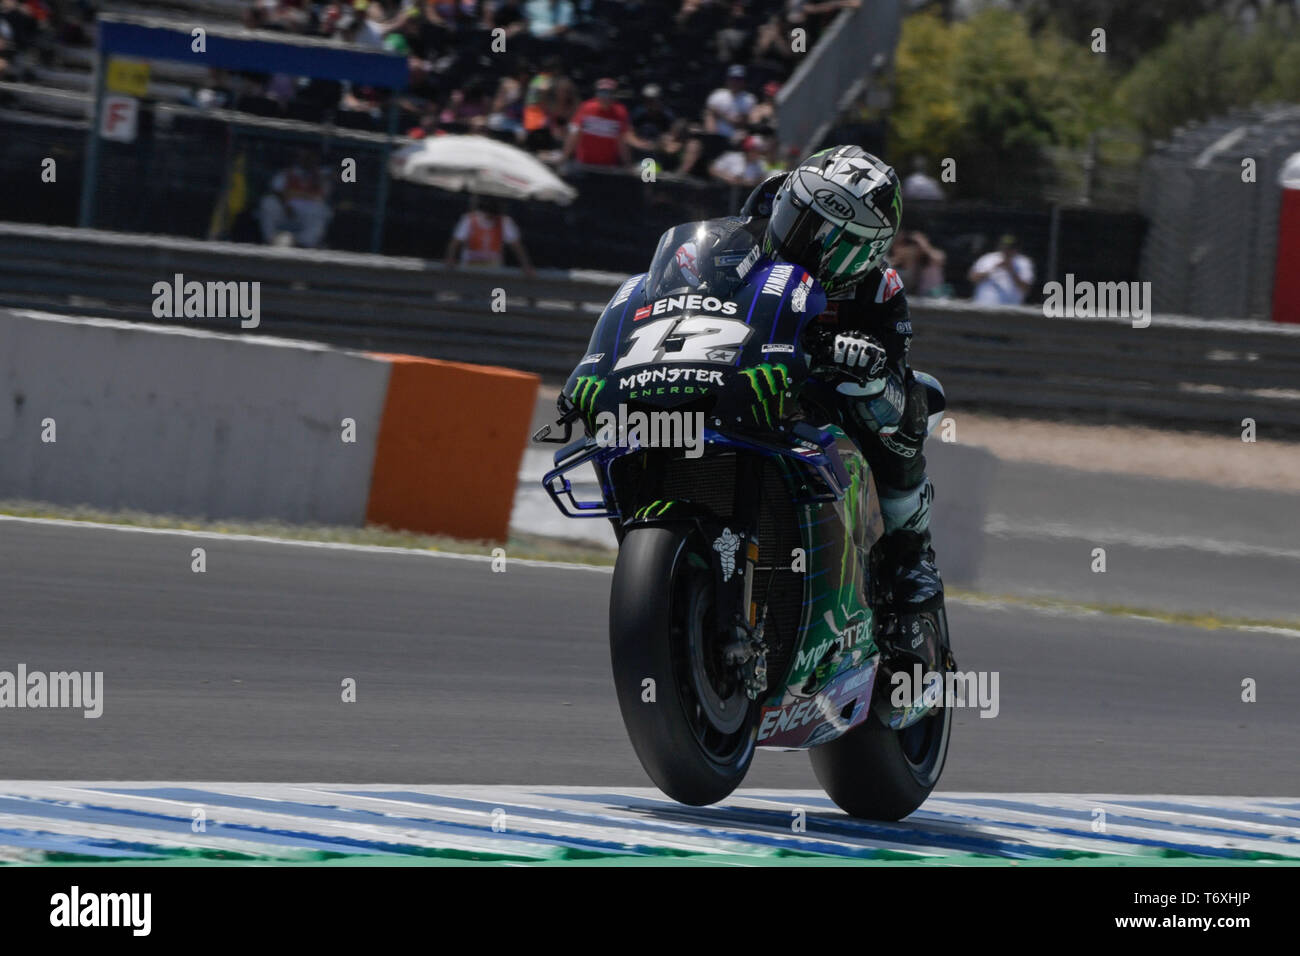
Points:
699	257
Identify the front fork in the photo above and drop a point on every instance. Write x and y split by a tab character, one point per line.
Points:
737	549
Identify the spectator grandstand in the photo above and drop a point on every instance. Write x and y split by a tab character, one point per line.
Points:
459	81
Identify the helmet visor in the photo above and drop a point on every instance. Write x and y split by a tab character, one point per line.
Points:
828	250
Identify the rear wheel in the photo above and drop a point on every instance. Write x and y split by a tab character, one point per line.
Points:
877	773
693	728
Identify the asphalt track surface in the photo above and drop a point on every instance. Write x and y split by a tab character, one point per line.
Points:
466	676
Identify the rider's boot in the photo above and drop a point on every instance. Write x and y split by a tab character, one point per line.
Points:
910	569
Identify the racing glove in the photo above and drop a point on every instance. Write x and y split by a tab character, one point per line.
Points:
875	394
856	354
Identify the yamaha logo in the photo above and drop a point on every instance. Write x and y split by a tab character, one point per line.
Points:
832	202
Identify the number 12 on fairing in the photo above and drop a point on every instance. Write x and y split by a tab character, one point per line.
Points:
703	339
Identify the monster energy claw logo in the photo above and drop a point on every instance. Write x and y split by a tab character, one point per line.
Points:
585	390
654	509
769	383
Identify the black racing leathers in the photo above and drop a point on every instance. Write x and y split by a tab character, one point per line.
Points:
888	420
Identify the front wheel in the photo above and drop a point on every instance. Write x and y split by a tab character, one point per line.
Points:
877	773
692	726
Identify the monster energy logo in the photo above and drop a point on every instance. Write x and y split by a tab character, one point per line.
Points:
655	509
769	383
585	391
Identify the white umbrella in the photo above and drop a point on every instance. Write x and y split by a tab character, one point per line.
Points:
480	165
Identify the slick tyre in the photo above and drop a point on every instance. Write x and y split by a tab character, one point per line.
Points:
690	722
876	773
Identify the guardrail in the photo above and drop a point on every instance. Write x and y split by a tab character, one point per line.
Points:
1187	373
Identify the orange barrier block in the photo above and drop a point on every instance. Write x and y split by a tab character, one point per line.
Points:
449	447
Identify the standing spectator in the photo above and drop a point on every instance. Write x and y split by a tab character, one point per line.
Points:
598	132
1002	277
918	263
727	107
297	206
481	235
919	184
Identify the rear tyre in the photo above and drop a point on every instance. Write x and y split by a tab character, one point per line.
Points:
696	737
876	773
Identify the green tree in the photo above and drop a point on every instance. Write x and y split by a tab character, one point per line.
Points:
1133	27
992	95
1207	68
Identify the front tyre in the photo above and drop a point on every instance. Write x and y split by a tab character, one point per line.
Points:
695	734
876	773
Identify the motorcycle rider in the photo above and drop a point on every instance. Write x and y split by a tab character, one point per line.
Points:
836	215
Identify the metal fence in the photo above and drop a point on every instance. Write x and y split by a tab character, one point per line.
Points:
1178	372
1211	246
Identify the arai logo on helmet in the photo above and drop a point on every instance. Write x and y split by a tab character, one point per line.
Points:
831	201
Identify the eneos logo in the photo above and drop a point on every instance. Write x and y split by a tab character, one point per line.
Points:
688	303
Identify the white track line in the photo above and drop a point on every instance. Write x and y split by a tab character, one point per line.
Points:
1004	527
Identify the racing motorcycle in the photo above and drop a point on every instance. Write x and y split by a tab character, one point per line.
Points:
745	610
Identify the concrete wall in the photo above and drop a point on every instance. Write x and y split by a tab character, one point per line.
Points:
177	421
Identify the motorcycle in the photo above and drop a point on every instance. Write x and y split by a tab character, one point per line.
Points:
745	610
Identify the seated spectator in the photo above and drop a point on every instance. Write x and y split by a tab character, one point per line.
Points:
727	107
919	264
481	235
736	34
1002	277
296	210
549	19
549	103
651	121
598	131
457	14
376	24
679	152
743	167
25	31
818	14
773	162
506	115
464	110
7	47
762	118
506	14
772	47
